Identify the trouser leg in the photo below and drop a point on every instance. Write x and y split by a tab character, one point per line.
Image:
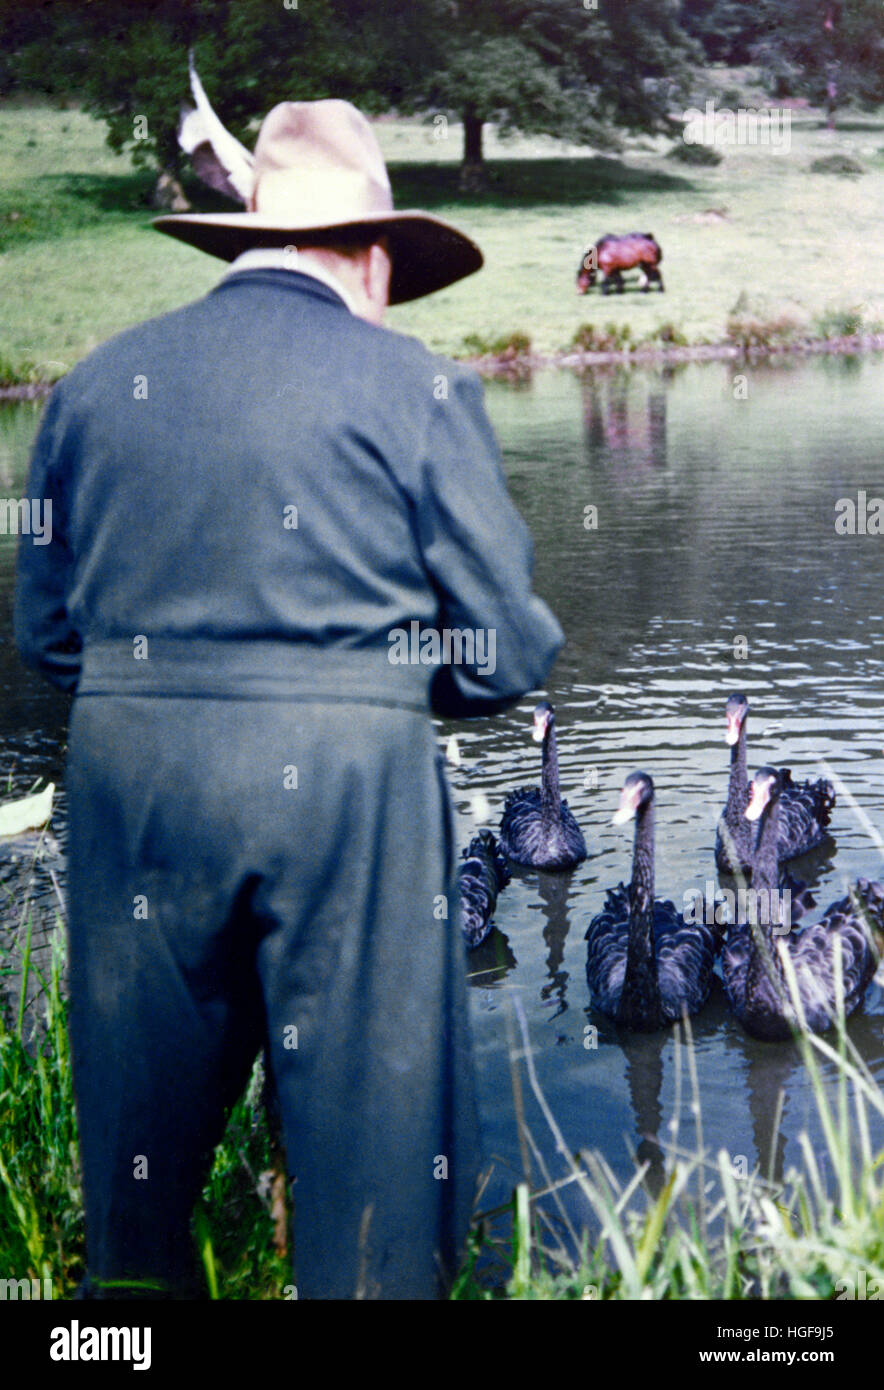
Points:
166	1016
377	1094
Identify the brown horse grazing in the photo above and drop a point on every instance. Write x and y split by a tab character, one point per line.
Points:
611	255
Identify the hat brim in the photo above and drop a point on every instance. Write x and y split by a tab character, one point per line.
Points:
427	253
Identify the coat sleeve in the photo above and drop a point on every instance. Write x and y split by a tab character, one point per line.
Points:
479	555
43	631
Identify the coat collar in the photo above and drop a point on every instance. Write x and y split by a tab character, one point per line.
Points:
289	258
297	280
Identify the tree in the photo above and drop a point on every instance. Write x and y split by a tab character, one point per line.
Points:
39	52
127	59
250	54
727	29
830	51
553	67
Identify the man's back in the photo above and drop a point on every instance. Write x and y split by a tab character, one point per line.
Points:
264	464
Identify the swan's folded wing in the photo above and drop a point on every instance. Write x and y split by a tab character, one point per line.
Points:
479	556
685	957
805	812
607	938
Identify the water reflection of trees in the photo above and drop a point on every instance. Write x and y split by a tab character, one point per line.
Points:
624	417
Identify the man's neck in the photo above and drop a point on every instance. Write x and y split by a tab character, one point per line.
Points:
289	258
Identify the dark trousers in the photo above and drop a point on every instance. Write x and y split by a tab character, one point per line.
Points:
213	909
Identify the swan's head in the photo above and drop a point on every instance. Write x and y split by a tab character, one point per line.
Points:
735	712
638	791
543	718
766	786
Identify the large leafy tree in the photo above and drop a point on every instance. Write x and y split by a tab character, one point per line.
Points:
127	59
830	51
554	67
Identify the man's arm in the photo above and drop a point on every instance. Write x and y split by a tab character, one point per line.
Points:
479	554
43	631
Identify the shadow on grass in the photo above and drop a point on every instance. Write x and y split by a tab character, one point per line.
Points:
55	205
877	127
529	182
105	193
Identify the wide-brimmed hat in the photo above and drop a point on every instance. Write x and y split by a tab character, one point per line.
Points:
317	168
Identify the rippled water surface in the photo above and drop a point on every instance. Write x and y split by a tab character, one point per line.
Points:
715	565
715	523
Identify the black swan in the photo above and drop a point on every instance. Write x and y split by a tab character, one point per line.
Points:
805	808
754	978
645	964
482	876
536	828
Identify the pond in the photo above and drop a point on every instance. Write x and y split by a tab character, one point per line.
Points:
685	532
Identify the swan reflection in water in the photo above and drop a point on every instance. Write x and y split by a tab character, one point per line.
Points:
491	962
554	892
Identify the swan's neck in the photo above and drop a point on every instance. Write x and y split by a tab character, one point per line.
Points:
737	791
550	797
765	877
765	863
640	997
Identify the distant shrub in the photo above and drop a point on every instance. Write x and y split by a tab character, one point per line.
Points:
665	335
840	164
840	323
747	331
668	333
17	371
695	154
614	337
507	346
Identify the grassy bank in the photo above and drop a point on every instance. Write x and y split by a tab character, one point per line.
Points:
239	1227
757	250
696	1227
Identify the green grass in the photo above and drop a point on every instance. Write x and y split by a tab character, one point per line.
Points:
41	1214
705	1233
80	261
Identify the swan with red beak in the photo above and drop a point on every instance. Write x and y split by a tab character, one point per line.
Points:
805	808
645	965
755	980
537	828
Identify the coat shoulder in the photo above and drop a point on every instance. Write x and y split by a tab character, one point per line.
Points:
415	357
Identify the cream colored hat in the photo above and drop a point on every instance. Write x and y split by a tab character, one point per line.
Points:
317	167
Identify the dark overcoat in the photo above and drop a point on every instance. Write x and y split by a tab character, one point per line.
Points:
258	502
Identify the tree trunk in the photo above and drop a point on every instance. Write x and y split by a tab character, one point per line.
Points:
831	103
168	195
831	68
472	172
